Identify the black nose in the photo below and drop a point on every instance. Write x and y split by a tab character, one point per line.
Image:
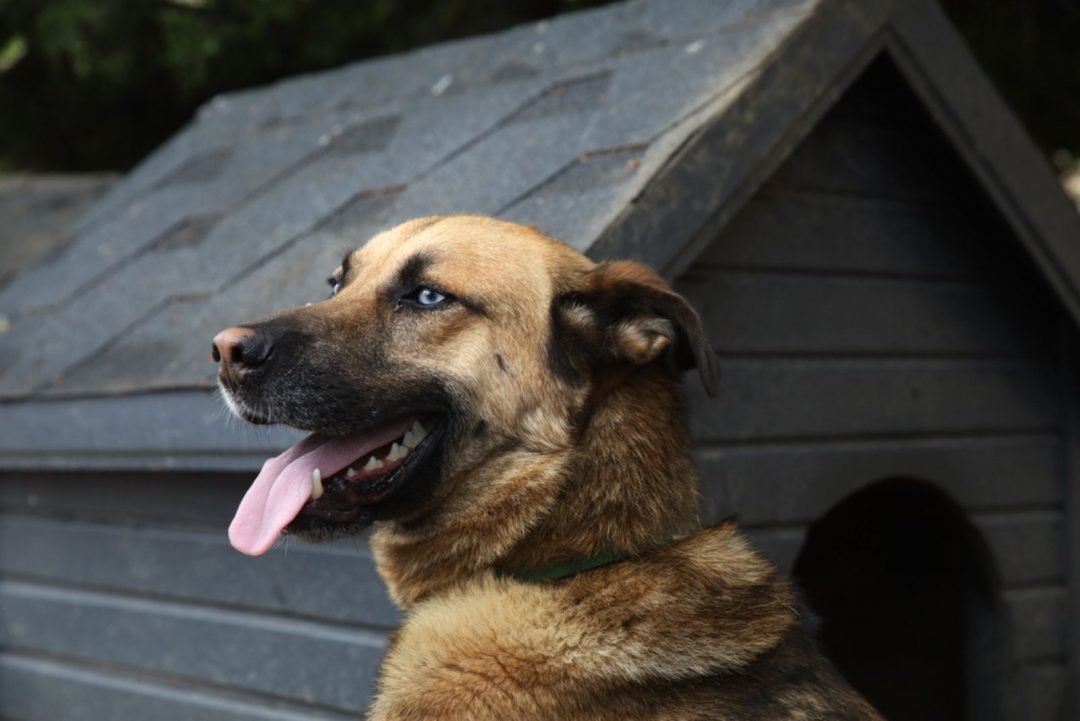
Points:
240	350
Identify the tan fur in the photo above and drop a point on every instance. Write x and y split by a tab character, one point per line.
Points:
581	448
502	649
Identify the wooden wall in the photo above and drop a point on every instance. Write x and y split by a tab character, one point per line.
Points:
120	598
875	320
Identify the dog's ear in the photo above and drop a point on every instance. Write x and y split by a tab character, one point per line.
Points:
636	318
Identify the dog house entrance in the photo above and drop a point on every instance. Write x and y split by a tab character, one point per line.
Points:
897	575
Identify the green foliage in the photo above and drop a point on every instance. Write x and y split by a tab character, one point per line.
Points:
96	84
1031	50
11	52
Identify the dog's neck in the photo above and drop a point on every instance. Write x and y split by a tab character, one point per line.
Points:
631	486
626	486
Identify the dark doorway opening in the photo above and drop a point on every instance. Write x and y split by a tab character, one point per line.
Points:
900	580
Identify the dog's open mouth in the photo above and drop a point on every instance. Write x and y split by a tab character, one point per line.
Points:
329	480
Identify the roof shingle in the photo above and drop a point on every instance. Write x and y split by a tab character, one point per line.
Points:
558	124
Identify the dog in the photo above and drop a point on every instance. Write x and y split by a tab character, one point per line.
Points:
508	416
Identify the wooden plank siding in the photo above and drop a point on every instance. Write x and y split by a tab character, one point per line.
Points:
144	560
219	646
114	605
798	482
35	688
875	319
1035	614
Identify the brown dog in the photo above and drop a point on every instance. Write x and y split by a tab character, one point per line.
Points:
508	414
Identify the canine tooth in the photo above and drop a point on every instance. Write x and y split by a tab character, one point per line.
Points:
316	484
416	434
350	473
373	464
396	453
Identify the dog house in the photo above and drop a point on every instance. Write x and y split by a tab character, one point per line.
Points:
886	266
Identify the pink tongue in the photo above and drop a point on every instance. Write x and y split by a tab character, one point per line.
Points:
283	485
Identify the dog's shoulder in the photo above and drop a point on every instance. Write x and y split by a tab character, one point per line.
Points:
501	648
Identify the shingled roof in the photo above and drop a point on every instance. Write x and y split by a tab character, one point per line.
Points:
634	129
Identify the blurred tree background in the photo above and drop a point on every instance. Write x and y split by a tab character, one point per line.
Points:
1031	50
97	84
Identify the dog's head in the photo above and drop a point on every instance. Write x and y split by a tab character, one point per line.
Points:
452	353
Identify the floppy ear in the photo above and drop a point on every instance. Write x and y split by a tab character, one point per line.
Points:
639	318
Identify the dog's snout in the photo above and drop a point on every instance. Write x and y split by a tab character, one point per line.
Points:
239	350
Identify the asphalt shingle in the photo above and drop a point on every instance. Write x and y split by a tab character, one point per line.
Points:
559	123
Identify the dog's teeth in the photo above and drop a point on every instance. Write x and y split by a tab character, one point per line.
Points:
396	453
416	434
373	464
350	473
419	430
316	484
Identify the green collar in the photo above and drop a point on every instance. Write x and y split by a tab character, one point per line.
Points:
562	570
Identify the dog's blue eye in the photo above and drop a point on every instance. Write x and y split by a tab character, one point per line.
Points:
429	297
425	297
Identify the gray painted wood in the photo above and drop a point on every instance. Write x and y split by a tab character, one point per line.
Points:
755	312
1025	547
161	431
1028	546
798	483
779	545
1038	693
869	159
203	500
335	582
1035	618
1039	622
1069	358
43	689
816	231
764	399
330	665
143	592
